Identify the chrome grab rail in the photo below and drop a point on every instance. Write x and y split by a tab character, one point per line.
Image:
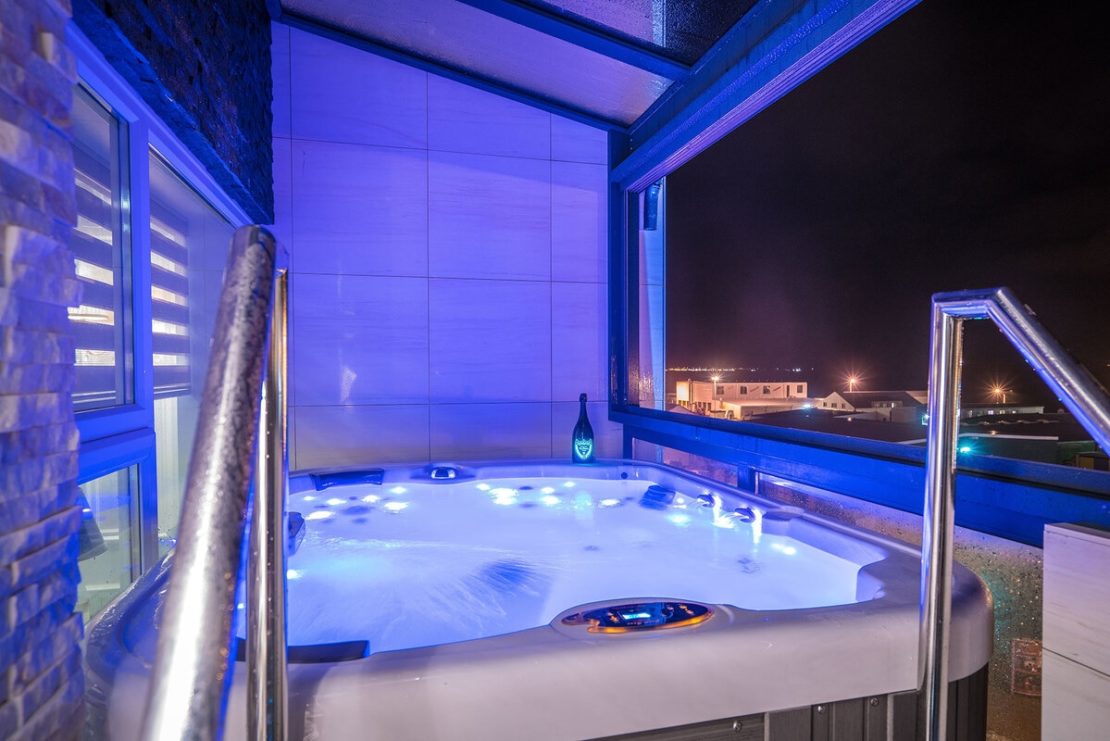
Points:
194	662
1073	384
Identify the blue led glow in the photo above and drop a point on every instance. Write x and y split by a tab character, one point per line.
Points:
550	500
568	484
483	487
679	519
398	490
789	550
371	498
319	515
310	497
548	490
292	574
395	506
335	501
635	615
609	502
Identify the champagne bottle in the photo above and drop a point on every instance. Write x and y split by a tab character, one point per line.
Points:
582	441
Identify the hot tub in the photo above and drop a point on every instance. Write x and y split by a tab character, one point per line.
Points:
550	601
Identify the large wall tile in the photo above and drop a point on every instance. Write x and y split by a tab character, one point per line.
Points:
348	95
490	431
360	340
489	217
363	435
283	193
576	142
579	221
279	66
490	340
578	340
465	119
608	436
360	210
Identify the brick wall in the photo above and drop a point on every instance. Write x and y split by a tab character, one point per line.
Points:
203	66
41	684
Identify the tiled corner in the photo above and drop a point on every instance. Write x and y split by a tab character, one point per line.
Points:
578	340
608	436
490	340
359	209
572	141
361	435
345	94
490	431
462	118
281	106
579	218
360	340
489	217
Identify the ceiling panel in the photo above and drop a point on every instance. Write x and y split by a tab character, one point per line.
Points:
466	38
681	29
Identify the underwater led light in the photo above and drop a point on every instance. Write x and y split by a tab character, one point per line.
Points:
609	502
965	448
789	550
335	501
568	484
293	574
319	515
679	519
550	500
483	487
310	497
548	490
395	506
371	498
398	490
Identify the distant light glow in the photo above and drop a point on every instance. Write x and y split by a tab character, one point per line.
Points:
310	497
483	487
293	574
503	496
395	506
369	498
609	502
965	448
550	500
548	490
320	514
679	519
568	484
335	501
398	490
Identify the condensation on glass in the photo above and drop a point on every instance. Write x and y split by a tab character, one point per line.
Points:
681	29
188	249
108	557
102	320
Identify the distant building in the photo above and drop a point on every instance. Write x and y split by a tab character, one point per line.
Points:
742	399
969	411
883	406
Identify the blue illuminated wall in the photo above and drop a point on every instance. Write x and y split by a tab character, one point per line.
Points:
449	263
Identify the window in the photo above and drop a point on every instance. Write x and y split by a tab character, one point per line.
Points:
150	246
188	248
108	553
102	321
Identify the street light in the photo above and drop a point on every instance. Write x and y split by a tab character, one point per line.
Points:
999	393
852	381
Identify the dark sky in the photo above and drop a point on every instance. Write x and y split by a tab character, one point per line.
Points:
966	145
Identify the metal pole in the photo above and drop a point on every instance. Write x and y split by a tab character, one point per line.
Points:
192	666
945	357
267	693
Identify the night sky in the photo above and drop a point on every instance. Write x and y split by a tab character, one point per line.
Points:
966	145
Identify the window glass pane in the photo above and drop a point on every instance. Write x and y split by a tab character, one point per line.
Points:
803	247
107	555
188	248
101	323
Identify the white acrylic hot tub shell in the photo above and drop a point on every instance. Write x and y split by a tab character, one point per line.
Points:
563	682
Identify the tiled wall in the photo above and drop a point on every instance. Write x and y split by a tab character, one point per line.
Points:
41	682
449	263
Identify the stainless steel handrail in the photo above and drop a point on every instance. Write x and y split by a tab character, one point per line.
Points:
195	658
1073	384
266	574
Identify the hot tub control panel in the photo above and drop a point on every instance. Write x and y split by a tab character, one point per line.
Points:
640	616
